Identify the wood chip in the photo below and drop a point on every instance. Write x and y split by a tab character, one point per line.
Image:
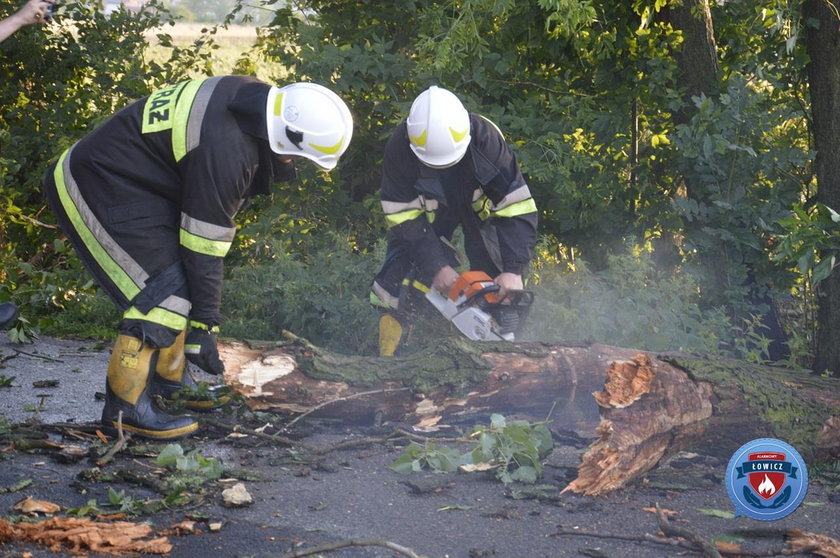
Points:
32	506
822	545
729	548
80	535
428	421
186	527
236	496
666	511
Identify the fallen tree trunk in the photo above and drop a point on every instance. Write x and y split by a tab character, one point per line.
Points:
454	380
641	407
653	407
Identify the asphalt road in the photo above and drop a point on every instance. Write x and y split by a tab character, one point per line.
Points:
303	498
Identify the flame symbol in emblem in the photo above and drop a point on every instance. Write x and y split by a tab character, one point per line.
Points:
766	488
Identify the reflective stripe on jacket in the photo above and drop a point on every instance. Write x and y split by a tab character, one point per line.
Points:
484	191
152	192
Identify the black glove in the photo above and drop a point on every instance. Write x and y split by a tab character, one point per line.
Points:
200	348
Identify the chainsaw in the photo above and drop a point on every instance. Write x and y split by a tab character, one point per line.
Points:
475	308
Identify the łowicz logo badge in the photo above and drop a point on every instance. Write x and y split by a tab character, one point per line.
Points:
766	479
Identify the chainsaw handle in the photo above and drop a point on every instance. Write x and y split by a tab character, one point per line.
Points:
520	297
479	294
515	297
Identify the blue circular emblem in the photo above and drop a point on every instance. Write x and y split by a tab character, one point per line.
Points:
766	479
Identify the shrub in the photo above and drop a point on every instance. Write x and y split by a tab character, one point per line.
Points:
323	296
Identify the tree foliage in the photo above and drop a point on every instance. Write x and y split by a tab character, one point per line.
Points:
585	91
57	83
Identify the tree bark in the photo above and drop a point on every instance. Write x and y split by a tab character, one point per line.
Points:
640	407
653	407
698	74
823	45
452	381
699	71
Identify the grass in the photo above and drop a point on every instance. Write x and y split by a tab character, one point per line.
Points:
234	43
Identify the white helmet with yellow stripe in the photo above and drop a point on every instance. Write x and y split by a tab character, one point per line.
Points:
308	120
438	128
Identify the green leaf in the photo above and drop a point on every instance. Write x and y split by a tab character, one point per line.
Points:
707	146
805	262
404	464
169	455
823	269
486	443
186	464
174	498
442	464
545	441
114	497
517	434
479	456
723	514
211	468
89	509
497	420
524	474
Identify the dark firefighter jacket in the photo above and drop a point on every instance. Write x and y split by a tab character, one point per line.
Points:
485	193
148	198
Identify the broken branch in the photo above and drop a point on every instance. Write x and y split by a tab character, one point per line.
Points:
405	551
708	549
120	444
33	355
345	398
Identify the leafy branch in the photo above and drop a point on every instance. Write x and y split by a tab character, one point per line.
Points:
513	449
811	240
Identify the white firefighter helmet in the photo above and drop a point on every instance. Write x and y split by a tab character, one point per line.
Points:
438	128
308	120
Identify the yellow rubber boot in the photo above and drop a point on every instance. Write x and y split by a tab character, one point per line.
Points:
127	392
171	377
390	335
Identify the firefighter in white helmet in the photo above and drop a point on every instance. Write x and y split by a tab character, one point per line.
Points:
446	167
148	200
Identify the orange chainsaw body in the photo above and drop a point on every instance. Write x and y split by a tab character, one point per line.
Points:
473	305
471	282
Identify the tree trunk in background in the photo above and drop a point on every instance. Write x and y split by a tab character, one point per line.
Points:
698	73
823	44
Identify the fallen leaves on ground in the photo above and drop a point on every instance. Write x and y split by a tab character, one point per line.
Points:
31	506
666	511
86	535
729	548
186	527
